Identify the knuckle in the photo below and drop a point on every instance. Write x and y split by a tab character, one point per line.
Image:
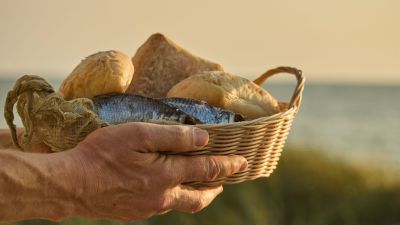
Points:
144	138
180	132
230	167
213	169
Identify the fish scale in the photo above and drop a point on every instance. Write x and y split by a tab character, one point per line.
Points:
123	108
203	111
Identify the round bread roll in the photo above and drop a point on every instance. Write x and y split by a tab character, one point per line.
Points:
227	91
100	73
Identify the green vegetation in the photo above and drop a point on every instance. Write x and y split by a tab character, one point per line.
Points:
306	188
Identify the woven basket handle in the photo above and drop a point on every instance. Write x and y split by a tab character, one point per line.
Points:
296	98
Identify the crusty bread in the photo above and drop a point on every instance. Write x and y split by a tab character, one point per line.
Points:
100	73
160	64
227	91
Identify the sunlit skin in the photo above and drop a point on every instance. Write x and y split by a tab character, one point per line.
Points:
117	172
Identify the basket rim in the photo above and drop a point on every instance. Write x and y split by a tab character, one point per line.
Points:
290	111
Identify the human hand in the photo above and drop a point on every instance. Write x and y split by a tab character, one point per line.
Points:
125	175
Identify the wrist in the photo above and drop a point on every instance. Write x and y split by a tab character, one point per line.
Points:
39	186
69	190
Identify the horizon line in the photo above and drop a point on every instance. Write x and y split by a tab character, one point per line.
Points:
285	80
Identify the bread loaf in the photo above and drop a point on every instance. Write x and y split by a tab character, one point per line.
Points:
227	91
100	73
160	64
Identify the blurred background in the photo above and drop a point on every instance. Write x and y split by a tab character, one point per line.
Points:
341	163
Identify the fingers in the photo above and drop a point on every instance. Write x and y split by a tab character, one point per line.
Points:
190	200
204	168
153	137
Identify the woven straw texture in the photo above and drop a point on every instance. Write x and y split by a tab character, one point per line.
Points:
260	141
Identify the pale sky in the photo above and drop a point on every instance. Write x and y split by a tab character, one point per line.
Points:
331	41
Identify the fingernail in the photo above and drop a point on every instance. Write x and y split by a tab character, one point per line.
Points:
243	167
200	137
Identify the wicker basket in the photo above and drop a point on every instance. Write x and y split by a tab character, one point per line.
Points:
260	141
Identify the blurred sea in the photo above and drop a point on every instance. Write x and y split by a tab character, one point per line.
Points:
356	123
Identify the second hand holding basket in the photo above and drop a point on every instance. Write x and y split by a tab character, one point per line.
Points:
260	141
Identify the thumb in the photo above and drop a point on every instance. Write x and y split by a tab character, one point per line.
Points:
154	137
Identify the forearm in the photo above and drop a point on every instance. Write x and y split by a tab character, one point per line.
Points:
36	186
